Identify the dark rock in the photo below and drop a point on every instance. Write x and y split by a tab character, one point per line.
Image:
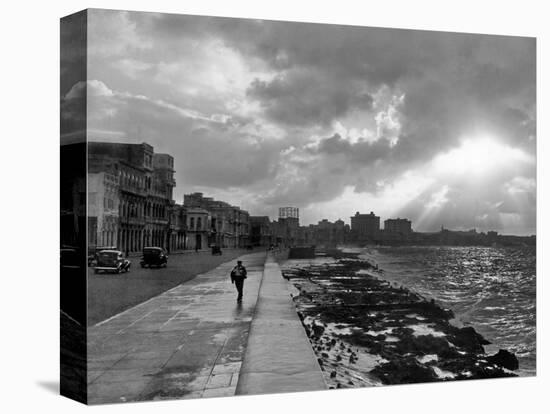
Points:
467	338
504	359
318	330
404	371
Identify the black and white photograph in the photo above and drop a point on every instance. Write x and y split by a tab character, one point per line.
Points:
273	206
311	207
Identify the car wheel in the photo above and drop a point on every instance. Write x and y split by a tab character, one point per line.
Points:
142	266
96	271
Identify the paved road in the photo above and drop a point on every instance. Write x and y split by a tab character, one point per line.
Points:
188	342
110	294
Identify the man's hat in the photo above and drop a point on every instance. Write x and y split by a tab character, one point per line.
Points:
239	261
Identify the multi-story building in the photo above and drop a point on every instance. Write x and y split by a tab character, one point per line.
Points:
229	225
177	230
261	231
145	183
324	233
288	226
398	226
285	212
197	227
365	227
158	226
103	208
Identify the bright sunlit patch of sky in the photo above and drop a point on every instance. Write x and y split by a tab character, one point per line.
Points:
329	119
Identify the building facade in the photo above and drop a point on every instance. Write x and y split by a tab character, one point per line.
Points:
197	224
365	227
398	226
261	231
140	184
229	226
103	208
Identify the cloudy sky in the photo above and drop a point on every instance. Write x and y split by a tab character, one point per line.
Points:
437	127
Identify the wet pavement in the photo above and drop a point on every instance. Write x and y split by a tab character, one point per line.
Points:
278	357
187	342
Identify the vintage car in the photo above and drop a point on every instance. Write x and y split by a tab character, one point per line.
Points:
112	261
154	256
92	253
216	250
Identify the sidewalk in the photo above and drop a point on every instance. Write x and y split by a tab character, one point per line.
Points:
279	356
188	342
195	341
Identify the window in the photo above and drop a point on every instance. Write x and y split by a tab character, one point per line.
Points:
192	223
199	223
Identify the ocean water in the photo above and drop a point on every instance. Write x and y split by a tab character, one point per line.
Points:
492	289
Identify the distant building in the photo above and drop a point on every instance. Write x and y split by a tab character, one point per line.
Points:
287	228
229	225
365	226
289	212
197	225
326	233
398	226
287	231
261	231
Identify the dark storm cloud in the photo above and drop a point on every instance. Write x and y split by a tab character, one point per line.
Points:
307	98
242	103
360	153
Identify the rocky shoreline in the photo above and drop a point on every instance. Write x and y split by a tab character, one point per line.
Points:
365	331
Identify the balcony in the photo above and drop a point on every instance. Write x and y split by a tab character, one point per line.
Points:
133	221
140	191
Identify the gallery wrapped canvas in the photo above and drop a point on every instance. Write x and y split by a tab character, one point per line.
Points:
254	207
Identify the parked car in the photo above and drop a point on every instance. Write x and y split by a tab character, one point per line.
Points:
216	250
154	256
112	261
92	253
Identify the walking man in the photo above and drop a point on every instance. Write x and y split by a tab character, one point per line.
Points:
238	275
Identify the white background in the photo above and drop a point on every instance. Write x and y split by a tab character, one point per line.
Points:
29	128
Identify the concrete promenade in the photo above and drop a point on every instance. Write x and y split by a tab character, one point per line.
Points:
188	342
195	341
278	356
